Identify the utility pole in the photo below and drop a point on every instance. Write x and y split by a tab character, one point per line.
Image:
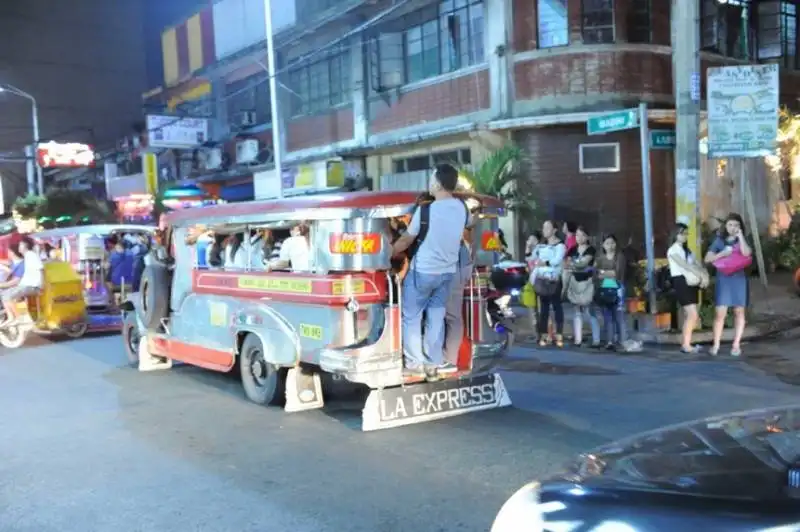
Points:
686	79
273	94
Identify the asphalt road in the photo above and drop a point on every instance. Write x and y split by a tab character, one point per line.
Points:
88	444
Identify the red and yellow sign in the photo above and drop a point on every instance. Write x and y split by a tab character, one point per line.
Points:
490	241
355	243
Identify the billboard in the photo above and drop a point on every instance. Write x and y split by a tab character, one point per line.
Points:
165	131
65	155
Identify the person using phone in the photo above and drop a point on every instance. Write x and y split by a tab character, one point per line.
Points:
731	290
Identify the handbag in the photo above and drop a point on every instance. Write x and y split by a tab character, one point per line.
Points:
733	263
607	296
528	296
580	293
545	287
692	279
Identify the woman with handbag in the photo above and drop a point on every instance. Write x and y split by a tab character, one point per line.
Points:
528	297
610	295
546	279
731	255
580	287
687	279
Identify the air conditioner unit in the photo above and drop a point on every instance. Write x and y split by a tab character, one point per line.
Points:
247	151
213	159
247	119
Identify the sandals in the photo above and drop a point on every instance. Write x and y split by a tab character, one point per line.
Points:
695	349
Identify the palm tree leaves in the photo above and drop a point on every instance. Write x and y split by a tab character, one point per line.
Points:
502	175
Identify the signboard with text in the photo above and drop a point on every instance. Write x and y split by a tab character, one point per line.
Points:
65	155
743	107
610	122
165	131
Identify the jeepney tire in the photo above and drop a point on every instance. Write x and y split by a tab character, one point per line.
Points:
154	291
263	383
131	337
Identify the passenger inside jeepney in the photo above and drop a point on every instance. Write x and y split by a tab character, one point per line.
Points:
295	251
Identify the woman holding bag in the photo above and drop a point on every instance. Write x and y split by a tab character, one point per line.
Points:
547	263
580	287
731	255
687	279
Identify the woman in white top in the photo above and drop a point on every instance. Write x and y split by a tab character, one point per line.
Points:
687	277
546	279
235	253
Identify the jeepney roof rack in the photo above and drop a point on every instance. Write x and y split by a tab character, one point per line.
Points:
384	204
99	229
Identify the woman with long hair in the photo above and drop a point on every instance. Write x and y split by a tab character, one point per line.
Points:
610	286
546	277
731	254
580	287
687	278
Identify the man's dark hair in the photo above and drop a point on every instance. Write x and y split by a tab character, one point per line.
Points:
447	176
27	241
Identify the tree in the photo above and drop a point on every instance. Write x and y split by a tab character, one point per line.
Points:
67	207
501	174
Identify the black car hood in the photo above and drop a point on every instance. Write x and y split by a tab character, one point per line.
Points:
746	455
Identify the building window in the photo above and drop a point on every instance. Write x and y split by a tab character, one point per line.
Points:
248	96
443	38
639	25
728	29
552	23
419	163
597	21
599	157
321	85
777	32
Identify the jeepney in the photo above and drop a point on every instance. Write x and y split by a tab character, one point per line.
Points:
85	248
282	330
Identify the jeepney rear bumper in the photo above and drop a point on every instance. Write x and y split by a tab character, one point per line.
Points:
380	370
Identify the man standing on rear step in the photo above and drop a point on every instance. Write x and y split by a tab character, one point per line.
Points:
433	242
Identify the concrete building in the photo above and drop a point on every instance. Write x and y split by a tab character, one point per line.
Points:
83	62
410	83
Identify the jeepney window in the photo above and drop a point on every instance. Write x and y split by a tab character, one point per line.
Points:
294	252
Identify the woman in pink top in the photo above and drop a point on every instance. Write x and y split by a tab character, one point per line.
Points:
570	241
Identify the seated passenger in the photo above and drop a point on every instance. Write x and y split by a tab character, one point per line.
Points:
14	270
235	253
295	252
30	282
120	266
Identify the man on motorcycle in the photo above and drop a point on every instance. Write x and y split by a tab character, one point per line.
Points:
29	284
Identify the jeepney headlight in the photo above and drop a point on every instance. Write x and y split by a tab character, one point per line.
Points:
521	512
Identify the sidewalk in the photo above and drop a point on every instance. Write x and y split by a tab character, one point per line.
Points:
774	309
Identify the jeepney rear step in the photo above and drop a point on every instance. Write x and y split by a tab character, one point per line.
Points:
427	401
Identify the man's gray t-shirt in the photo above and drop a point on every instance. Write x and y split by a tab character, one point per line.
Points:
439	252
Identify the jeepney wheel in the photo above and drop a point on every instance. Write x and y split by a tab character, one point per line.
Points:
263	383
77	330
132	338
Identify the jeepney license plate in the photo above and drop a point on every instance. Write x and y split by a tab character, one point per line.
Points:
432	398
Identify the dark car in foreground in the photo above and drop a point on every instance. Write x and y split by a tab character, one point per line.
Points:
738	472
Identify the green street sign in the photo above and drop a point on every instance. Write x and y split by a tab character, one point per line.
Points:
616	121
662	139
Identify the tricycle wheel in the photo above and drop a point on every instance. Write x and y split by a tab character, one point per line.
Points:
77	330
131	337
263	383
12	337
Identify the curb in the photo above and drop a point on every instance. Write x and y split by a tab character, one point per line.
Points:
751	332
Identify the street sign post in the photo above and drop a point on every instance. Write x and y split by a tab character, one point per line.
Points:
610	122
620	121
662	139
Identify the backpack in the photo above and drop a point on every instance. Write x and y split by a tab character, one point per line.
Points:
424	225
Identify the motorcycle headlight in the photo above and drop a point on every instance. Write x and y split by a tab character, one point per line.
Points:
521	512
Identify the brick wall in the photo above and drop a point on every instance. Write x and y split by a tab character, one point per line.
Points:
319	130
462	95
603	202
593	74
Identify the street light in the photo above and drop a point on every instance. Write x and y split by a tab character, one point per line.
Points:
40	180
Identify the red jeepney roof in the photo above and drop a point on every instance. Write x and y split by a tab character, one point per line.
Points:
350	200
